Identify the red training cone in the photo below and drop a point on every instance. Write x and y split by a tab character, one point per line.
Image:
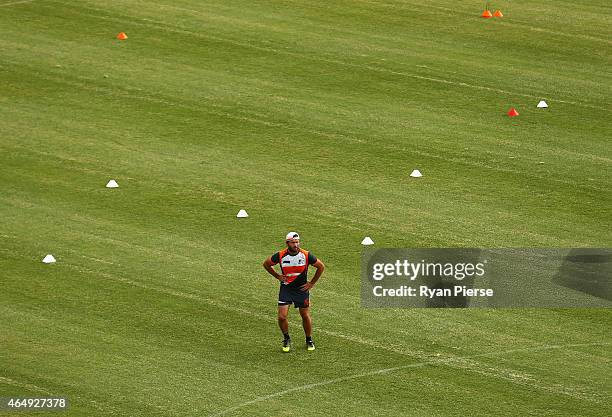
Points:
122	36
498	13
512	112
486	14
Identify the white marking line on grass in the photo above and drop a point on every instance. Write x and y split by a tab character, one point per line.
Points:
91	258
388	370
452	361
25	385
16	2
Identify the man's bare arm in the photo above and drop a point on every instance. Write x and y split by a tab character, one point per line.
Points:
269	266
320	268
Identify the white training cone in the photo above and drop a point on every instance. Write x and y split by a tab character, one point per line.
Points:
367	241
112	184
242	213
542	104
49	259
416	174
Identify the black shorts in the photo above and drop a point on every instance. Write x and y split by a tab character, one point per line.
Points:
295	296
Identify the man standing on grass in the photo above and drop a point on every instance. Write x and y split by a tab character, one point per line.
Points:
294	288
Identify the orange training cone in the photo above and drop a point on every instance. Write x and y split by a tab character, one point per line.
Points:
486	14
512	112
498	13
122	36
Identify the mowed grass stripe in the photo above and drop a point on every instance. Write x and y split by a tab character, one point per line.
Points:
249	45
544	61
543	129
160	183
192	202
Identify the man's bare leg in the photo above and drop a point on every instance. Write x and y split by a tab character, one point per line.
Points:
306	321
283	323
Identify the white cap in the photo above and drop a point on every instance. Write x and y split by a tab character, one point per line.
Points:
292	236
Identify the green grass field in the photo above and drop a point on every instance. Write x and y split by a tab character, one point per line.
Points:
310	115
